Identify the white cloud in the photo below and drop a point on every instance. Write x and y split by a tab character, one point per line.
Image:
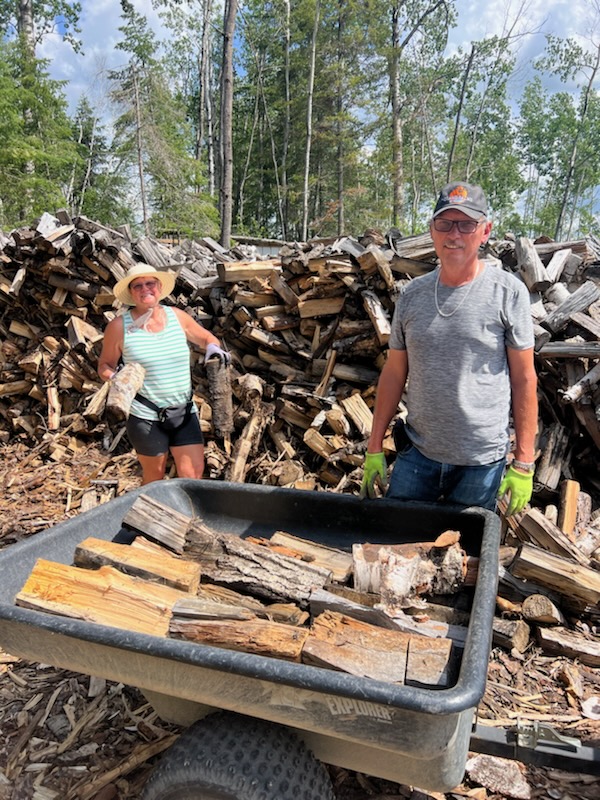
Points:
101	19
86	72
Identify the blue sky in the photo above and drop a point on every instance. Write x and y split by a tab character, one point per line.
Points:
101	19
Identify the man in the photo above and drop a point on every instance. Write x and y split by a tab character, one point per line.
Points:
462	346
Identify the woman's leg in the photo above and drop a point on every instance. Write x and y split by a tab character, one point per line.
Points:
151	445
189	460
153	467
187	448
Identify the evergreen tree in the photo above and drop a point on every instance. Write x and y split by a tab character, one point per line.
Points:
35	131
97	188
152	140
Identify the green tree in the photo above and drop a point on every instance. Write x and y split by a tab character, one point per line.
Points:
35	132
97	188
571	61
152	140
35	19
193	72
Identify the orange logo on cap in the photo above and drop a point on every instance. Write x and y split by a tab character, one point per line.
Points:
458	195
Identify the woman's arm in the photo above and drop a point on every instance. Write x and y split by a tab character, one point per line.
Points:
112	349
194	332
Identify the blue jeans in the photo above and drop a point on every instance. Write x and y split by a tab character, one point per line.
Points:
416	477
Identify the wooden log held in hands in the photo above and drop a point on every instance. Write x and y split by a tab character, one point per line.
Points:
219	387
124	386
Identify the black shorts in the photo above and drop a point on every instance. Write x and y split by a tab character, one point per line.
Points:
149	439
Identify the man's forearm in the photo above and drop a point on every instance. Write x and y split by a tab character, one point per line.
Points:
389	393
525	420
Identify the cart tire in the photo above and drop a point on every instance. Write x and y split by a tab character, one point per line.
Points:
230	757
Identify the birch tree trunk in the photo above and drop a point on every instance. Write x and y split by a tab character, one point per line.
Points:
202	73
240	200
76	209
230	13
140	153
309	110
461	101
340	124
502	46
397	164
210	129
25	25
286	123
26	31
394	62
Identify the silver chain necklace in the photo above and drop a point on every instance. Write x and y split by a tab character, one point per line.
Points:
464	297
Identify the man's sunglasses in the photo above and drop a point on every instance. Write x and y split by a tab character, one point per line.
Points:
135	287
464	225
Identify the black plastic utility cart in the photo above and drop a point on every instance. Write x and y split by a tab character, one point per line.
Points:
258	727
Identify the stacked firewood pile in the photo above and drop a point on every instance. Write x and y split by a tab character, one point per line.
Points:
308	330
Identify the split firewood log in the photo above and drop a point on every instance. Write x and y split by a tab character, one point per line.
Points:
161	566
336	561
123	388
340	642
221	402
105	596
322	600
159	522
511	634
228	560
579	585
235	628
540	609
569	644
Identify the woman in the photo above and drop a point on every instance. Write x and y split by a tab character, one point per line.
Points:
156	336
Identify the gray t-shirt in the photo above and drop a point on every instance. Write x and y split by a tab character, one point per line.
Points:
458	388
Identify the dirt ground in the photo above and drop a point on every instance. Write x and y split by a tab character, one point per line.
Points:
74	737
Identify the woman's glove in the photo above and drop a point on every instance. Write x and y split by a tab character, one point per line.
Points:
214	351
520	487
375	471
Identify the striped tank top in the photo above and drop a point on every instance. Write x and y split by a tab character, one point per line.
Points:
165	356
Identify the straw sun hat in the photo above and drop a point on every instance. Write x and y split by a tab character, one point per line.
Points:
121	289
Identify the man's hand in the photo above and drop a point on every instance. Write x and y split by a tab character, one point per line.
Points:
375	471
520	487
214	351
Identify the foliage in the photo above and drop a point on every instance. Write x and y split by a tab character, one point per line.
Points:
395	114
49	17
98	189
153	139
38	151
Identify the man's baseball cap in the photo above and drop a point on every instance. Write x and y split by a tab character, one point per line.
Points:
463	197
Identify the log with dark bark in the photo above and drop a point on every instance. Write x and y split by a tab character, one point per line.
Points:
228	560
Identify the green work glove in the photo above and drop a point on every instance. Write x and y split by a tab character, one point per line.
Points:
375	471
520	487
